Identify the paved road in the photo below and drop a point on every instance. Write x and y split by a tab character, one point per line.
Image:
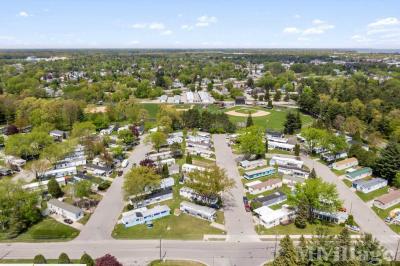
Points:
140	252
365	217
238	222
103	220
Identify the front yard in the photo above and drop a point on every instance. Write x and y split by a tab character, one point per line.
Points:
385	213
46	230
372	195
291	229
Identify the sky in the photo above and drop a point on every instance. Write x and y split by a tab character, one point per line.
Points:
200	24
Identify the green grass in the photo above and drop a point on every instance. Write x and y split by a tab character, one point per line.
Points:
373	194
273	121
46	230
277	151
385	213
347	182
152	109
175	263
26	261
85	218
171	227
339	172
278	206
291	229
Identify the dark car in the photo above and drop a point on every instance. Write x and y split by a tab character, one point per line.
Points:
246	204
68	221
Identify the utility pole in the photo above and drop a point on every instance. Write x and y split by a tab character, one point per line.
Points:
276	243
160	249
397	249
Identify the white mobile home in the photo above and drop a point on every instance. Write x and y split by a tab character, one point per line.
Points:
286	161
253	164
65	210
199	211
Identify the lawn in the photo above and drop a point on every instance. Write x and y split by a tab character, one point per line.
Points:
152	109
347	182
373	194
176	263
385	213
273	121
171	227
46	230
291	229
85	218
30	261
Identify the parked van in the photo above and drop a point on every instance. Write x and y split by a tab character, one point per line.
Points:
124	163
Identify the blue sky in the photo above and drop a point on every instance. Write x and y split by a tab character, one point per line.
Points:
200	24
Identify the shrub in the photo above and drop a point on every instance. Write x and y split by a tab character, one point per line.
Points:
86	259
63	259
39	259
104	185
107	260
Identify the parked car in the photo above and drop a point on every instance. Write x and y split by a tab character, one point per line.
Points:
125	163
388	220
246	204
353	228
68	221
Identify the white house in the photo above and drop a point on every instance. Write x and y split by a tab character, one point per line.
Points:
257	186
161	155
367	186
168	162
286	161
65	210
253	164
43	184
189	193
280	146
174	139
344	164
188	168
60	172
205	153
270	218
199	211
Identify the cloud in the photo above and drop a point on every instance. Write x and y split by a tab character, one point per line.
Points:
166	32
23	14
291	30
205	21
156	26
390	21
320	27
150	26
139	25
134	42
297	16
186	27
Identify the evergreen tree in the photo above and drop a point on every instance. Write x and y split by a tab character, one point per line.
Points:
165	171
302	251
189	159
86	259
266	96
389	163
291	124
313	174
249	122
287	253
270	104
266	145
301	219
63	259
54	188
39	259
298	121
297	150
343	242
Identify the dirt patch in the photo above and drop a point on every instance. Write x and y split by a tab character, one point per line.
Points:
258	113
96	109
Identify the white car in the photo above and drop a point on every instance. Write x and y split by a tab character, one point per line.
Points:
125	163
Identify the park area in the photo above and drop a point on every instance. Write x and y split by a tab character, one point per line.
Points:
273	119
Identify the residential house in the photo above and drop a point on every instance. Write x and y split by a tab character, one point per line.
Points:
173	169
155	196
43	184
272	199
367	186
281	146
259	173
293	170
359	174
329	157
58	135
168	162
291	181
14	162
253	164
270	218
274	134
240	100
332	217
388	200
344	164
58	172
159	155
199	211
188	168
70	162
5	171
257	187
191	194
144	215
285	161
64	210
205	153
97	170
200	145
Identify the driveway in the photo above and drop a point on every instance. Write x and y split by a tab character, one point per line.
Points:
238	222
104	218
